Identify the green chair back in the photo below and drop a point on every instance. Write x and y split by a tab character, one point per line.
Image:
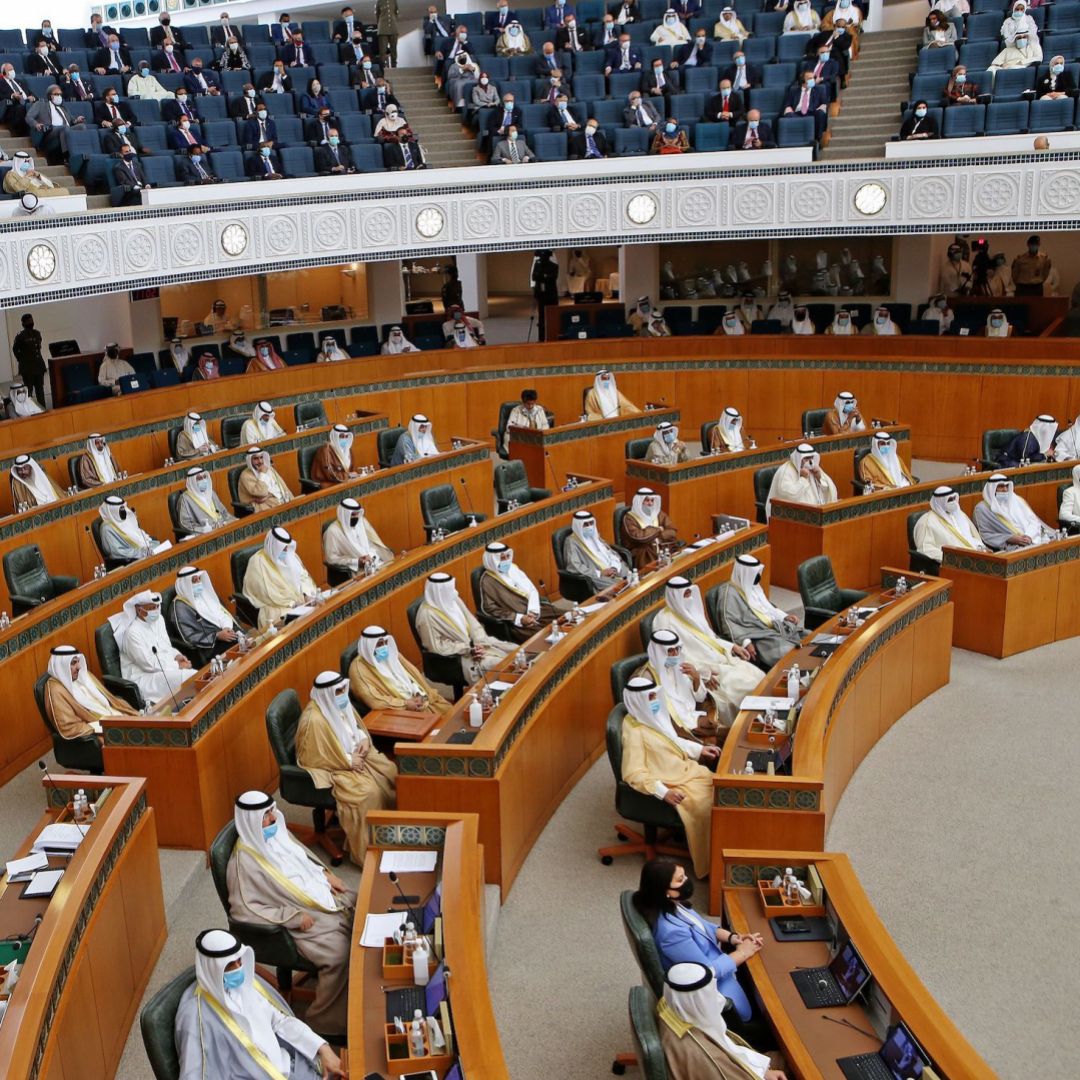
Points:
813	421
706	435
231	429
636	449
157	1021
440	508
309	413
817	584
622	671
994	444
385	441
642	944
762	483
82	754
643	1027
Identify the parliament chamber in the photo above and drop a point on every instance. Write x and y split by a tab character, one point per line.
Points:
617	616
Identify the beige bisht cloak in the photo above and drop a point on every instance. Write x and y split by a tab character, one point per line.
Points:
594	410
499	601
372	787
376	693
71	717
271	591
261	495
642	541
691	1055
438	634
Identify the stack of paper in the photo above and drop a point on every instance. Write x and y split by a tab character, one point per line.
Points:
377	928
23	869
61	837
408	862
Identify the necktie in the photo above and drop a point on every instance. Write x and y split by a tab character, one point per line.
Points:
625	65
660	80
201	171
590	146
749	137
172	62
114	111
804	102
817	70
300	55
334	151
267	166
642	118
513	152
325	131
551	61
103	39
573	38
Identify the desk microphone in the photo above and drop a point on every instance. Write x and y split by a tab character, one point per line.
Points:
408	901
468	497
548	467
52	783
172	693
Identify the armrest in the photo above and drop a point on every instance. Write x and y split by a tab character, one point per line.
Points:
851	596
817	613
124	688
20	604
62	583
536	494
242	509
307	485
625	553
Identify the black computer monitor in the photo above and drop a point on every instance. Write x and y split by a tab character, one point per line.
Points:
849	971
902	1054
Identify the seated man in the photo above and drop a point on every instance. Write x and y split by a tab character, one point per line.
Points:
724	664
945	525
511	150
113	368
883	467
22	403
261	426
882	324
204	623
666	447
646	529
843	325
730	326
199	510
276	581
31	486
447	627
274	881
194	440
24	177
507	594
333	463
605	401
351	542
1067	445
121	537
683	688
396	342
261	486
801	479
657	761
727	437
529	414
334	747
97	466
229	1023
844	417
383	679
1005	520
417	441
1069	511
801	323
147	657
75	701
1035	444
747	613
586	552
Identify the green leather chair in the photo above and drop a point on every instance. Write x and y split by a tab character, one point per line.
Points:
1072	528
441	669
762	483
305	456
495	627
112	678
616	523
30	583
295	784
645	810
83	753
574	586
813	421
917	561
310	414
822	598
173	500
231	429
110	562
440	508
642	945
348	655
645	628
713	600
994	444
511	482
856	482
174	435
706	435
647	1046
73	470
274	946
240	509
157	1022
622	671
499	434
246	611
335	575
385	441
636	449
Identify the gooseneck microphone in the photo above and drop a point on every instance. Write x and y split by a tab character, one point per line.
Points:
52	783
172	693
468	497
407	900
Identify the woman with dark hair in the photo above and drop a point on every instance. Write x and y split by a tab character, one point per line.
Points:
918	125
314	99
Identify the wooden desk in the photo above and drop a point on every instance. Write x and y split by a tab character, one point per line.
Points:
401	724
57	364
597	447
101	933
1008	602
884	667
548	728
811	1046
460	870
868	531
724	483
215	746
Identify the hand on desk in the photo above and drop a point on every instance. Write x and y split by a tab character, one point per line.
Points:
182	661
226	635
1018	541
790	619
331	1063
748	946
529	620
609	572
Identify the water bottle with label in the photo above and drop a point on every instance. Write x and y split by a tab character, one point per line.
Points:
793	677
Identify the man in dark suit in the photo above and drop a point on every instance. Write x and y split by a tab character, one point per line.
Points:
436	27
183	135
225	32
622	56
266	165
284	31
752	134
276	76
1057	82
344	27
182	105
42	61
97	37
317	129
365	75
14	100
825	70
376	99
334	158
640	112
743	76
658	83
200	80
587	143
696	53
112	110
354	51
505	118
77	86
555	14
49	122
605	33
726	104
495	22
128	180
260	129
686	9
165	33
548	60
296	53
168	58
194	167
807	98
246	105
115	59
572	38
114	139
839	42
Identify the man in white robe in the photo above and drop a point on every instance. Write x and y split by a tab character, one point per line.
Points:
684	690
727	436
194	440
331	351
508	595
1069	512
396	342
801	323
1067	447
261	426
586	552
276	581
801	479
97	466
204	626
351	542
945	525
22	403
31	486
417	441
882	324
121	536
1004	520
731	325
113	368
147	657
766	631
883	468
842	325
199	509
230	1023
605	401
666	447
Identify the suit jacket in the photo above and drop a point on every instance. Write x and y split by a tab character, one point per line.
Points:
598	36
562	40
686	9
738	136
256	170
364	79
542	69
41	113
324	159
101	58
103	115
576	144
705	53
218	38
122	175
753	74
502	152
433	30
347	53
289	54
313	132
160	60
44	65
492	24
497	117
238	108
93	41
649	80
266	82
631	117
613	55
553	18
277	34
819	98
736	108
178	141
341	27
251	136
157	37
111	141
186	172
69	89
171	111
7	91
369	101
1063	84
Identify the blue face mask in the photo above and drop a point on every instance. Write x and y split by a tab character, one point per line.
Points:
670	662
198	590
342	701
270	831
961	79
334	140
654	707
1057	69
382	653
233	980
265	151
740	61
920	113
589	531
669	128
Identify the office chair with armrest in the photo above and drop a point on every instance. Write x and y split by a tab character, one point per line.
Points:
157	1022
335	575
645	628
82	754
295	784
231	428
174	436
994	444
917	561
762	483
440	508
574	586
240	509
310	414
714	599
110	562
622	671
304	458
647	1046
246	611
822	598
706	435
73	471
636	449
29	581
856	481
511	482
385	441
497	628
813	421
173	501
348	655
441	669
112	678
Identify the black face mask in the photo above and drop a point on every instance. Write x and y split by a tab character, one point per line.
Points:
757	580
686	891
354	520
114	353
122	515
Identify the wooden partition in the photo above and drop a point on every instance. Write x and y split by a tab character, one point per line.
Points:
390	496
897	657
810	1047
724	483
549	727
99	938
862	533
216	746
460	871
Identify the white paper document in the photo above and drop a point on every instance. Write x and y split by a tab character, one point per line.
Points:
408	862
761	703
17	867
590	608
58	837
827	639
377	928
497	686
43	883
163	546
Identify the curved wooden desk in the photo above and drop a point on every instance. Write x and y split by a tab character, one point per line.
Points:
98	941
810	1046
461	873
895	659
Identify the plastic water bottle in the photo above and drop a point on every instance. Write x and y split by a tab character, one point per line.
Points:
793	683
901	585
410	933
749	770
416	1039
476	711
420	967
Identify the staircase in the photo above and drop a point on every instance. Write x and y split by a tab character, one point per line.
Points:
437	127
58	174
871	113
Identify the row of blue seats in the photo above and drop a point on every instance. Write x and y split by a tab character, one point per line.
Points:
1005	118
980	54
1008	84
1002	8
1057	18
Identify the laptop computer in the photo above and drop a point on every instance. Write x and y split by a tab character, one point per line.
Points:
432	910
404	1002
899	1058
837	984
